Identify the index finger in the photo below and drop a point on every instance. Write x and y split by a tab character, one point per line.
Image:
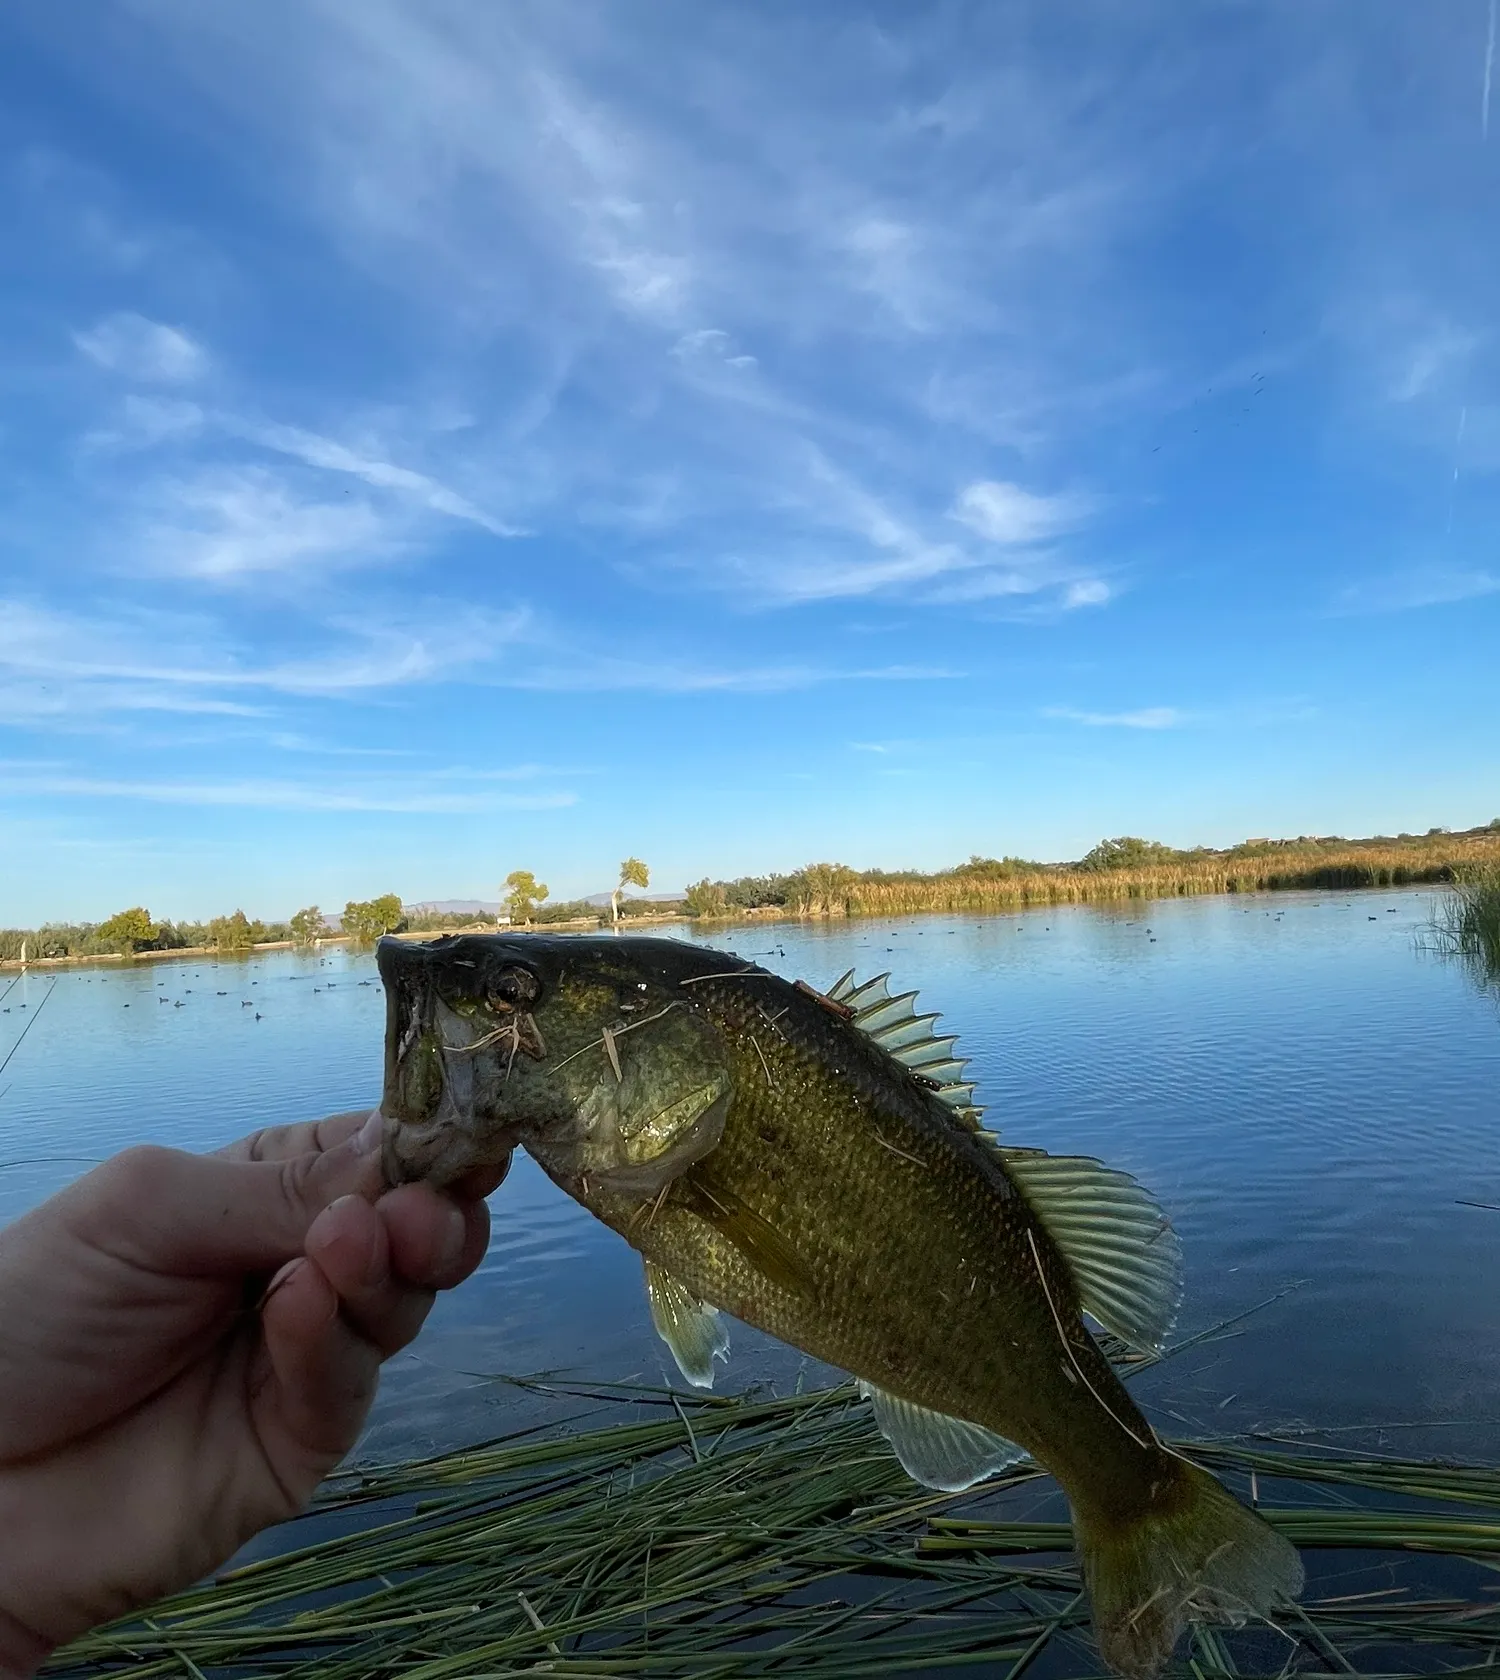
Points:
305	1137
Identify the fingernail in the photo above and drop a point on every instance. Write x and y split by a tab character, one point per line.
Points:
283	1275
360	1252
367	1138
455	1236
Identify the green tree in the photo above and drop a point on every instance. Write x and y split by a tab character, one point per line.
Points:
633	873
822	888
128	931
369	918
526	892
706	898
307	925
233	933
1129	851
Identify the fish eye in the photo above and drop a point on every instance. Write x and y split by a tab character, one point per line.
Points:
512	988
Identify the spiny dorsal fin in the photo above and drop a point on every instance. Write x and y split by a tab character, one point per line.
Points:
691	1328
1123	1254
937	1450
894	1024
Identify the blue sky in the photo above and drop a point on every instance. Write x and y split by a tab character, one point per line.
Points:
443	438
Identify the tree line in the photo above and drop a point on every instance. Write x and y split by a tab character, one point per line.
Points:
814	890
134	931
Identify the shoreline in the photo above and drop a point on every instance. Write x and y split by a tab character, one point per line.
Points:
994	906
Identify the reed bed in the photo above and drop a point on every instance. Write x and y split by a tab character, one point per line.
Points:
1450	858
1467	923
713	1538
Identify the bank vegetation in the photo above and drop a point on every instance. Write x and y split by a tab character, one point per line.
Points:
1123	868
1119	869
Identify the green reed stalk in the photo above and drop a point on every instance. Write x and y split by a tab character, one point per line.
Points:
780	1539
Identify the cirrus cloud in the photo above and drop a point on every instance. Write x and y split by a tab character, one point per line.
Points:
137	348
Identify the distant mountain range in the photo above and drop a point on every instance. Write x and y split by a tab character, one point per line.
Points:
455	906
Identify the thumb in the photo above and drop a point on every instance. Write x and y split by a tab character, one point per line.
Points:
205	1216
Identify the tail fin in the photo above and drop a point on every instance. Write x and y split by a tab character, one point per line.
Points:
1198	1555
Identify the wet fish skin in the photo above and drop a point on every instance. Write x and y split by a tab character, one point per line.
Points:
840	1206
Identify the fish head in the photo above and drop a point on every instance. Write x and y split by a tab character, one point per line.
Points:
586	1051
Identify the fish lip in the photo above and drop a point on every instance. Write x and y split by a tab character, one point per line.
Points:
439	1151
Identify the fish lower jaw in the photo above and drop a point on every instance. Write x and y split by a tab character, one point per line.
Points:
438	1152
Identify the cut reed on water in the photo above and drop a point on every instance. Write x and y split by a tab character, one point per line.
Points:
711	1538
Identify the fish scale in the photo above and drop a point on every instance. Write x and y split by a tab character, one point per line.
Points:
921	1277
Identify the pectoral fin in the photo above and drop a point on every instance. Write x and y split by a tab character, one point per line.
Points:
936	1450
770	1251
692	1329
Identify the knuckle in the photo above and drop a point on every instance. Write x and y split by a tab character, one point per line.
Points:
137	1173
116	1208
295	1177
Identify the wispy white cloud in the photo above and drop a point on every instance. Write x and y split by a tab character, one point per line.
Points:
80	664
680	238
217	514
66	669
1421	586
667	678
1008	514
137	348
873	549
1087	592
1428	358
142	423
329	455
67	702
229	523
1147	717
280	795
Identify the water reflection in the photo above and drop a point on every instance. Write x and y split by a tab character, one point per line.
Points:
1310	1101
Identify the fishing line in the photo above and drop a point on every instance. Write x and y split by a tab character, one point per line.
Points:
50	1160
1072	1357
27	1028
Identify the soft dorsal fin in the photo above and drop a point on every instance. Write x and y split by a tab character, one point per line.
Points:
936	1450
1123	1254
692	1329
894	1024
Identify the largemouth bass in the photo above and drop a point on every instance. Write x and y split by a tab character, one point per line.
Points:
813	1164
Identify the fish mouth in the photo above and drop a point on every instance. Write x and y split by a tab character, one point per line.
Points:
460	1011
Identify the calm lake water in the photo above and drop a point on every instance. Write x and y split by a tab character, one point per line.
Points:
1309	1096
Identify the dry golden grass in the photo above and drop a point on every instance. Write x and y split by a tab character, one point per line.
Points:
1272	868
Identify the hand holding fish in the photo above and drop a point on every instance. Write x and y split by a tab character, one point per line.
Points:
188	1345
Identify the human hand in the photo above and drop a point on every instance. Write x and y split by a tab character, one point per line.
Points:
188	1345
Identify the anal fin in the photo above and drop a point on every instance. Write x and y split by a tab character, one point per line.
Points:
937	1450
692	1329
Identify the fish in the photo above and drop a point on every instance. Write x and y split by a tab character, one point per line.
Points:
813	1163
